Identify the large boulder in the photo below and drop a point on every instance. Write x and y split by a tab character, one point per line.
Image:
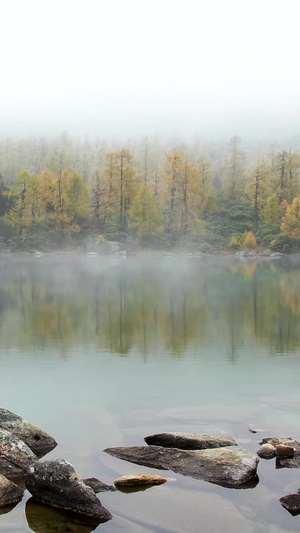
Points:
287	460
189	441
56	483
9	492
15	456
228	466
36	439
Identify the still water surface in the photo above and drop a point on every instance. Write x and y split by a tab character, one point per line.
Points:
102	351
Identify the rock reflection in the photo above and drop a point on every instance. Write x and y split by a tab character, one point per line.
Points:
44	519
136	488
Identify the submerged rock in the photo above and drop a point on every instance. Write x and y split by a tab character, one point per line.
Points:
15	456
36	439
291	503
228	466
44	519
291	459
56	483
97	485
138	480
189	441
9	492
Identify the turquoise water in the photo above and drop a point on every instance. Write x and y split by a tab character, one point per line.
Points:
102	351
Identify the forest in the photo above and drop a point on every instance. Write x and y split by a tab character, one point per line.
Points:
150	194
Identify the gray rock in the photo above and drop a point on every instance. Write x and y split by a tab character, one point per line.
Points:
96	243
245	253
228	466
36	439
97	485
189	441
287	462
9	492
56	483
291	503
267	451
15	456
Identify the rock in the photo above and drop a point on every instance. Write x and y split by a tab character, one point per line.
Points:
276	254
245	253
254	429
36	439
9	492
56	483
97	485
97	244
291	503
44	519
138	480
189	441
267	451
15	456
285	462
285	451
228	466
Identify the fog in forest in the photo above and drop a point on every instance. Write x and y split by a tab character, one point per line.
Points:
129	69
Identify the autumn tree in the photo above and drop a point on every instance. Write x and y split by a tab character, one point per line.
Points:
290	226
50	202
186	198
126	183
144	214
258	188
235	166
78	198
249	241
97	210
205	185
28	202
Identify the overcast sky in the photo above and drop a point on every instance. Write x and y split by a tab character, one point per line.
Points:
127	68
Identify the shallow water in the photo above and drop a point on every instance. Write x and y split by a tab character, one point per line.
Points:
102	351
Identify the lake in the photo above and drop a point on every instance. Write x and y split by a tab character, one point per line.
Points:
103	351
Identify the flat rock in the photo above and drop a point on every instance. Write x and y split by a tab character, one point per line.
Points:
285	462
36	439
138	480
228	466
10	493
15	456
189	441
97	485
57	484
291	503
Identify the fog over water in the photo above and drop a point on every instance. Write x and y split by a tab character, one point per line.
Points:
132	68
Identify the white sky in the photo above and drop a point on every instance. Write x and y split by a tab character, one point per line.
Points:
136	67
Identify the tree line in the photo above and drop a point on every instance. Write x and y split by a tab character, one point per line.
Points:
203	197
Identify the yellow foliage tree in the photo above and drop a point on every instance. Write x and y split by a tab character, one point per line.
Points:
250	241
290	226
